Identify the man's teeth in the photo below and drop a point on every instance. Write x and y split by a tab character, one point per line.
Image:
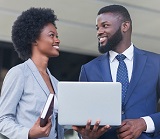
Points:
102	39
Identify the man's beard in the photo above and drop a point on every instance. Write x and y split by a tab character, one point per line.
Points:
112	42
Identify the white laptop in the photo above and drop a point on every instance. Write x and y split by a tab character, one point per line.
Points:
80	101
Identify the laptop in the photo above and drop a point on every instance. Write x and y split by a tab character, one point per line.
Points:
80	101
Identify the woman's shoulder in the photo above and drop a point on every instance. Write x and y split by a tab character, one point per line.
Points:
19	71
16	69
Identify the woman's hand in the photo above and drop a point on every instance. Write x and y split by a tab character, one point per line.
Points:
37	132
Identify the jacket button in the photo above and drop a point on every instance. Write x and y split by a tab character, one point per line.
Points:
122	112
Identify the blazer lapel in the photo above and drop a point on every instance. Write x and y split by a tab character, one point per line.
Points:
53	82
139	62
37	76
104	67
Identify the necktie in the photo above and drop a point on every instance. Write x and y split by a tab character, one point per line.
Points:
122	76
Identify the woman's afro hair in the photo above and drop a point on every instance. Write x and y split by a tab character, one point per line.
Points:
27	28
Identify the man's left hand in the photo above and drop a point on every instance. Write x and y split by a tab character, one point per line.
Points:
131	128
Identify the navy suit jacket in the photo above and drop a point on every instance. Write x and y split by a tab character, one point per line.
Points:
143	92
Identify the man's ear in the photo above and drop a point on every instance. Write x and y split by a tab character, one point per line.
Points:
126	26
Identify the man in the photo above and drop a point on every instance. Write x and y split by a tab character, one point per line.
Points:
141	87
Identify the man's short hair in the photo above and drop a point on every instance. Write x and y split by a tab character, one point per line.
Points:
116	9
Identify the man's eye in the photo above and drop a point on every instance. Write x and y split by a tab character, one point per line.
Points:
97	28
105	25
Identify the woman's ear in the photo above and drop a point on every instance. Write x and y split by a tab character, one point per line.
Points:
34	43
125	26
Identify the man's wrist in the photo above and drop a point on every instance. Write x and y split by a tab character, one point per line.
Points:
144	125
150	127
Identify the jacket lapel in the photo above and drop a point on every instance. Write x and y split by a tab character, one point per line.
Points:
37	76
53	82
139	62
104	67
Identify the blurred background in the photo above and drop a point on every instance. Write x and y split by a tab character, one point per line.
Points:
77	32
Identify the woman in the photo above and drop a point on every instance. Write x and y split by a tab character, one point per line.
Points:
27	85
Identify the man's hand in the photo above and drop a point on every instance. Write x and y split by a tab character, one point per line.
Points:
37	132
88	132
131	128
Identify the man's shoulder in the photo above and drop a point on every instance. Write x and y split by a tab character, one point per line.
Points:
147	53
97	59
153	54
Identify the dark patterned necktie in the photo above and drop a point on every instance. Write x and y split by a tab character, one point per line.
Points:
122	76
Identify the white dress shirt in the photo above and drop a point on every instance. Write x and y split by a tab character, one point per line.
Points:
129	63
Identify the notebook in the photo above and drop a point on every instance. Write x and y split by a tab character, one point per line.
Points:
80	101
47	110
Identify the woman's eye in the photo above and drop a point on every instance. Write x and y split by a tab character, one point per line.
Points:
52	35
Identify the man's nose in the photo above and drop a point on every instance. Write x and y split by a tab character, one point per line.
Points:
100	31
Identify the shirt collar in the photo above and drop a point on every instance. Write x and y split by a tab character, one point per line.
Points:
128	53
